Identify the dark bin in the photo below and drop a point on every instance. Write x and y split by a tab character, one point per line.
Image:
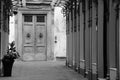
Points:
7	67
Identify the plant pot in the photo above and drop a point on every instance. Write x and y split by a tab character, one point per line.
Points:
7	67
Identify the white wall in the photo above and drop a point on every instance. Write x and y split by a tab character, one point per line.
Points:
60	33
12	29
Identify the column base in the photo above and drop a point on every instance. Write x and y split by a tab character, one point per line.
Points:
94	76
113	73
82	72
101	79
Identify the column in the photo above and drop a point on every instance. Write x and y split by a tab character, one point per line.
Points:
100	56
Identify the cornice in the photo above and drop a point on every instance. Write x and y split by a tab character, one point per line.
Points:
58	3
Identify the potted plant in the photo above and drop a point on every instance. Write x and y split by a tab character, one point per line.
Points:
8	60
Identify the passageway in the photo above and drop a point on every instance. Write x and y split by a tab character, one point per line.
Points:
42	70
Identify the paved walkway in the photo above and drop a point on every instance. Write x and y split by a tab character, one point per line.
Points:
44	70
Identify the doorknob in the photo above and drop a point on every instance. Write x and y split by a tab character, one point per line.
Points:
40	35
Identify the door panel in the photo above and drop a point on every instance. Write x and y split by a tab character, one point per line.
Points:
40	53
28	40
40	35
40	42
34	37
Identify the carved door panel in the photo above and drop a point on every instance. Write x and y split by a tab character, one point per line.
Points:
40	37
28	38
34	37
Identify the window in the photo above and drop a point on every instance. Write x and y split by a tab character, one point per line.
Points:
40	18
27	18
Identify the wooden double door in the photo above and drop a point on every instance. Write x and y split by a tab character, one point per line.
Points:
34	37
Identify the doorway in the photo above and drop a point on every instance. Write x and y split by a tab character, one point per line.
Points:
34	37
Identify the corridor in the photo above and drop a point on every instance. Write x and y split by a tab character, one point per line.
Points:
44	70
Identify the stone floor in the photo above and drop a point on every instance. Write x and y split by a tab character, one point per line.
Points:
44	70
